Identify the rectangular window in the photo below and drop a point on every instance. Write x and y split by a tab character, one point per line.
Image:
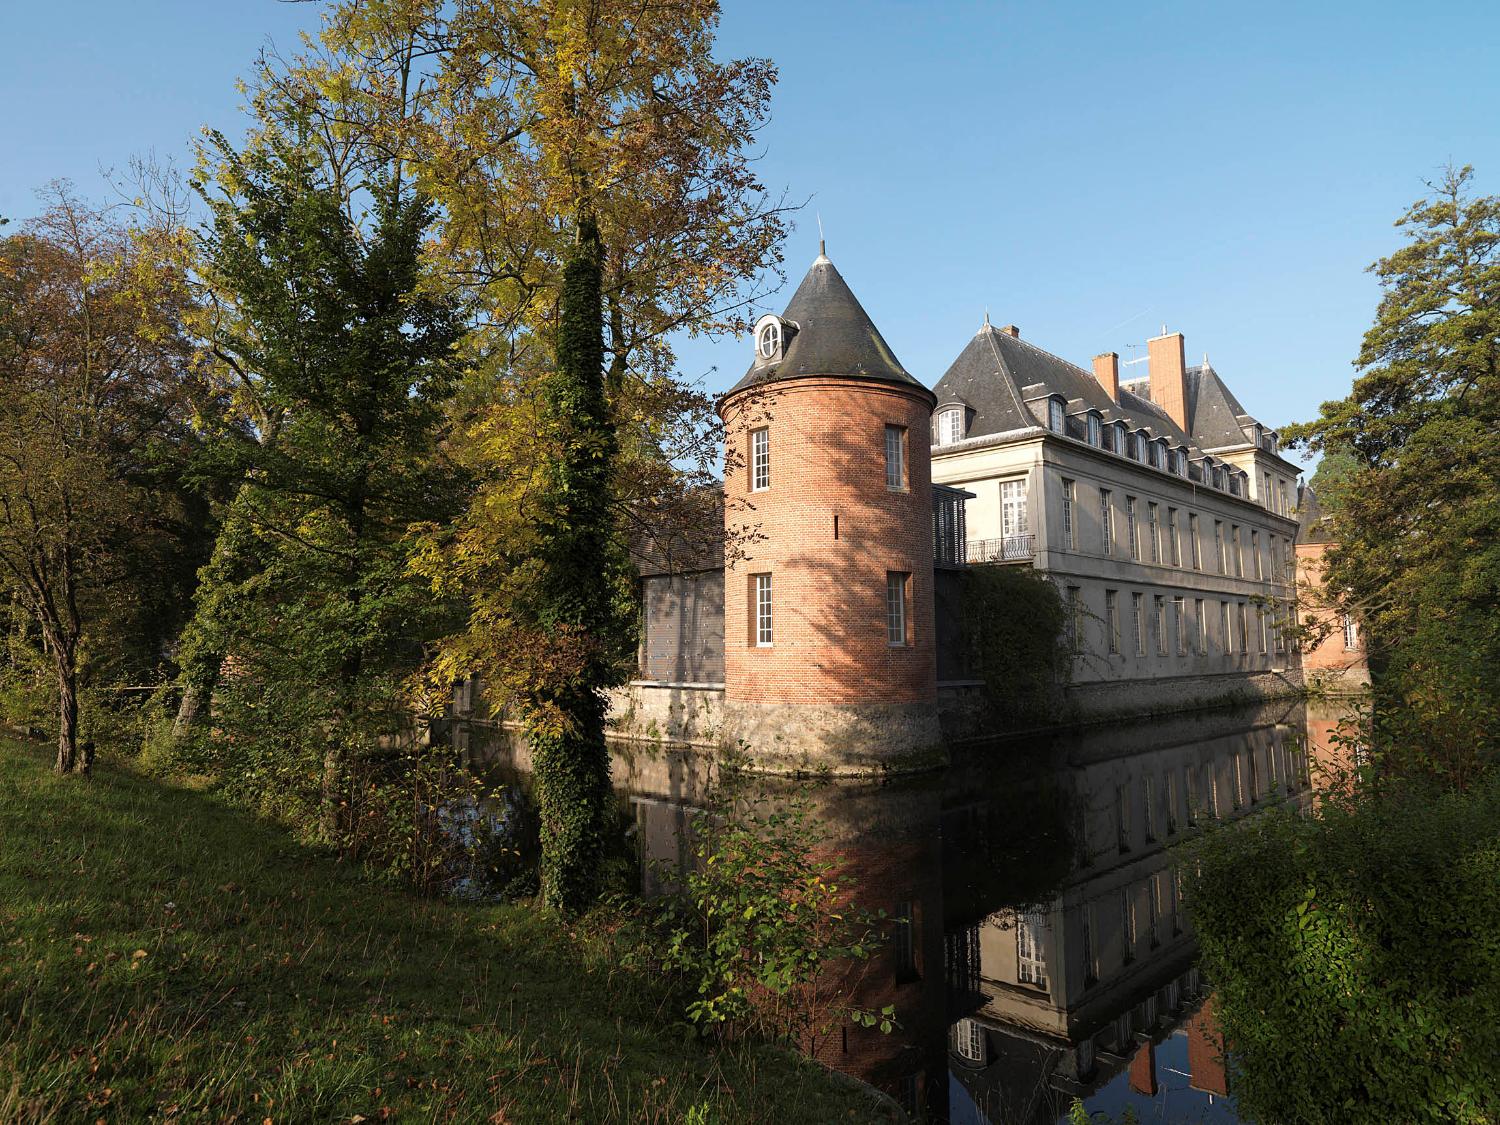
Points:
1130	535
1219	545
1254	777
1225	635
897	590
1193	535
1067	506
1127	923
1255	553
1154	529
1175	543
1013	507
1171	802
1202	626
1244	629
1179	622
1148	803
969	1040
1031	962
1106	522
1055	419
903	940
1075	619
760	459
1237	791
1138	615
1192	796
1112	619
763	633
1260	623
1211	788
1161	625
1122	817
1239	554
895	458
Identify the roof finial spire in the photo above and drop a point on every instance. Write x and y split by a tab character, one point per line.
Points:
986	317
1205	359
822	246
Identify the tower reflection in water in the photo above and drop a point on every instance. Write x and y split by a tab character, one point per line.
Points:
1040	951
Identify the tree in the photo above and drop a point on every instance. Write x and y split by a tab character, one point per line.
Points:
93	370
343	363
1416	508
590	164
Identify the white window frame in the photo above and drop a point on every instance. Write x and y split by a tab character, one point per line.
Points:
968	1040
1179	614
1069	537
760	459
768	342
765	625
895	458
1057	418
1351	633
1130	533
1198	605
951	425
1174	540
1014	500
1153	525
1112	620
1031	956
1138	619
1095	430
897	591
1160	606
1106	521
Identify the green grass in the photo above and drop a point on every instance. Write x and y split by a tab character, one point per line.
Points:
164	955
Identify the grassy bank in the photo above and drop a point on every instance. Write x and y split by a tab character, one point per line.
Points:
164	955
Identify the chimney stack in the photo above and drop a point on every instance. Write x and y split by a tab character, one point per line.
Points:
1168	369
1107	371
1012	330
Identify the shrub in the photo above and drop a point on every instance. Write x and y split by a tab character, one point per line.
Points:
1356	955
1013	627
760	930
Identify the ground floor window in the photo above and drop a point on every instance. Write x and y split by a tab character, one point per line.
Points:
1030	958
761	584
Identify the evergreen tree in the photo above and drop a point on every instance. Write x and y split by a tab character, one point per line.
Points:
348	361
1416	505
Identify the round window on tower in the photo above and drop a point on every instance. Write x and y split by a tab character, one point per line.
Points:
768	339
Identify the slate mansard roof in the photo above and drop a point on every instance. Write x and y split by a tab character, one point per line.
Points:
828	332
998	373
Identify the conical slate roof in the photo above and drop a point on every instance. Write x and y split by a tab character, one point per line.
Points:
833	335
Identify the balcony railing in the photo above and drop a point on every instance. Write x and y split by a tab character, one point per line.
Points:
1010	548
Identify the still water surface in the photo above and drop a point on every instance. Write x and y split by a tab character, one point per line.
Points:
1045	955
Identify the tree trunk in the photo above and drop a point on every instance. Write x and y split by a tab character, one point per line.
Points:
67	711
572	765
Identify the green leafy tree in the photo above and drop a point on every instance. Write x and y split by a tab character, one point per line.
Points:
1352	954
1416	503
346	362
95	371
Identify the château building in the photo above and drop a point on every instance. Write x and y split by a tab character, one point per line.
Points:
819	626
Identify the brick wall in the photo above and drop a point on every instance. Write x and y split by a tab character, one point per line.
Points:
828	529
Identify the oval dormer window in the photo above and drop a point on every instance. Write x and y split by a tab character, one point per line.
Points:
768	340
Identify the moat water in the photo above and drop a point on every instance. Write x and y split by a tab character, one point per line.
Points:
1041	953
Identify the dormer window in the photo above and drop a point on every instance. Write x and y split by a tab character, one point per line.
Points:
951	425
1120	437
1159	454
1056	420
768	339
1142	438
1180	461
1234	484
1096	429
1219	478
1271	441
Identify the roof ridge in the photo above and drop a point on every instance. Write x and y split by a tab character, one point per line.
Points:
1010	379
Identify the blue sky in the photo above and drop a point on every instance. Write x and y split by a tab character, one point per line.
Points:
1088	171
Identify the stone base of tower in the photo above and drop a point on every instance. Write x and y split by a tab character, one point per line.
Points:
830	739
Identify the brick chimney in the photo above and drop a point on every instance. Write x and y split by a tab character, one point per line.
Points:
1011	330
1143	1070
1169	375
1107	371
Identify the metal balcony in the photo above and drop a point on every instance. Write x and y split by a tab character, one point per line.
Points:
1009	548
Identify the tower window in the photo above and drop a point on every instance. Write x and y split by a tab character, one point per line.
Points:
760	459
768	341
764	634
895	458
897	585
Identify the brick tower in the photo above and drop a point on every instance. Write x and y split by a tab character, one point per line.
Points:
828	610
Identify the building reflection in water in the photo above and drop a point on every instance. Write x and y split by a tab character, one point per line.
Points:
1040	952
